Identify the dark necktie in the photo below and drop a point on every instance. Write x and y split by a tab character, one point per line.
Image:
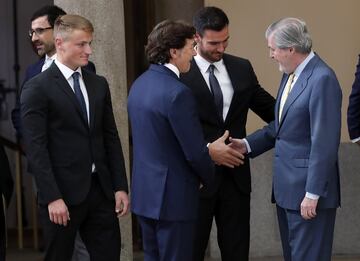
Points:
79	94
216	90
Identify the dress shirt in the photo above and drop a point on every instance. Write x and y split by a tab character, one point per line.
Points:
297	73
173	68
221	75
67	73
48	61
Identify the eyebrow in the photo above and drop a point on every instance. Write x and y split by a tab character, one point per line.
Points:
220	41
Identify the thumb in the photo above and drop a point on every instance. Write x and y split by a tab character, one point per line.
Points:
117	206
225	135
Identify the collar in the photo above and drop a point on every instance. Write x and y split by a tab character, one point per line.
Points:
302	65
66	71
204	64
51	58
173	68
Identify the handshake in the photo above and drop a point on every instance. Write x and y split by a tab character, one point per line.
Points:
229	155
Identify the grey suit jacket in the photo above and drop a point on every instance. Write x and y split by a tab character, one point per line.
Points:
306	140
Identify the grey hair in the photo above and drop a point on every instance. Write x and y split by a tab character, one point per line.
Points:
290	32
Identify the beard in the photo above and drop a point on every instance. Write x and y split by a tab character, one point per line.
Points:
44	49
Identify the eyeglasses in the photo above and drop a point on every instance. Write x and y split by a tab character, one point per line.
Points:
38	31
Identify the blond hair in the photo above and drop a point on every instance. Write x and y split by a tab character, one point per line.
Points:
66	24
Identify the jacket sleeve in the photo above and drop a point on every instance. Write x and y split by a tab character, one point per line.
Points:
34	113
186	126
113	147
262	103
353	113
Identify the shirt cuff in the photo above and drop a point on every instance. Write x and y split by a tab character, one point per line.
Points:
312	196
247	145
355	140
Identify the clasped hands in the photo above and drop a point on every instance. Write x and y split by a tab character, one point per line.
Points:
229	155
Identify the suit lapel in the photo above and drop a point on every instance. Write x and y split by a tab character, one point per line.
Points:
63	84
236	85
91	92
298	88
278	99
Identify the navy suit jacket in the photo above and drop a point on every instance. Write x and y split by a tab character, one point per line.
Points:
353	113
171	158
31	71
306	140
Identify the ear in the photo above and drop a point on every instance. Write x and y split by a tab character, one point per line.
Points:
58	43
197	38
173	53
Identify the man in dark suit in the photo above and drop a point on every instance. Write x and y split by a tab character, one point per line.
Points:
73	148
353	113
306	137
171	160
42	38
6	188
225	88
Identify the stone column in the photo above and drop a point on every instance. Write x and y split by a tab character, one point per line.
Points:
107	17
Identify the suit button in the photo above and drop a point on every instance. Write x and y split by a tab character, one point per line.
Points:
278	138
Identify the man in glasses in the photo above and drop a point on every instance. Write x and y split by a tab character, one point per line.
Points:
42	39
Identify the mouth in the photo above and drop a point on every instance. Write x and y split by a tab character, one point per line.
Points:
38	45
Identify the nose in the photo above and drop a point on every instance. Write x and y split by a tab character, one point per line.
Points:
221	48
34	37
88	49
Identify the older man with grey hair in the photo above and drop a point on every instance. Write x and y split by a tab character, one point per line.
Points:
306	136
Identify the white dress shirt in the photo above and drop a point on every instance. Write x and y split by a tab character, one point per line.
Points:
173	68
48	61
223	78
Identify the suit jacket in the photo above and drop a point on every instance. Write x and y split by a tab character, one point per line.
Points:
306	140
6	181
248	94
31	71
60	144
170	154
353	113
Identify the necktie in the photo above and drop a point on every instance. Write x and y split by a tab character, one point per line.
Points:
216	90
79	94
285	93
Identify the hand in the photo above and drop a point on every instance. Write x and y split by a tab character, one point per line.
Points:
239	145
121	203
223	154
58	212
308	208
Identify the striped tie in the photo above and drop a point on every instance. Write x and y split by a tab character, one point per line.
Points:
285	93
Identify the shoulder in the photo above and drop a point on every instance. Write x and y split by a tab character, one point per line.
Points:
322	70
93	77
235	60
90	67
33	69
